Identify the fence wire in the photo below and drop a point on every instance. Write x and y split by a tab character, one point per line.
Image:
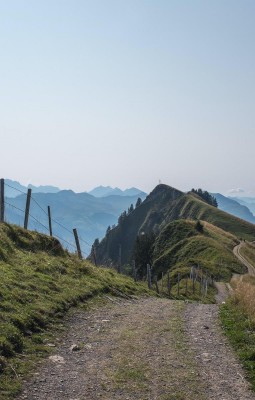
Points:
18	214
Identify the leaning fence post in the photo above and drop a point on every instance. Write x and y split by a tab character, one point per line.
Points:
49	217
29	192
77	243
2	200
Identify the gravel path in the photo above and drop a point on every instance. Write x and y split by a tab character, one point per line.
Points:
131	350
219	368
147	349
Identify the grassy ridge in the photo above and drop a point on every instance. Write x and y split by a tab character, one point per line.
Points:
164	205
180	245
39	281
196	208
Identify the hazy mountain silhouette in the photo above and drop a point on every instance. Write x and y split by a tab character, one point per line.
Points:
10	192
104	191
249	202
232	206
90	215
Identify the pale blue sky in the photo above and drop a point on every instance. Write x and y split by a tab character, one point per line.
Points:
127	92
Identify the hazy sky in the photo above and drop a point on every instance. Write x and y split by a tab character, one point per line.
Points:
128	92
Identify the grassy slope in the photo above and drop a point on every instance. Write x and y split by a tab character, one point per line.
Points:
38	282
180	245
193	207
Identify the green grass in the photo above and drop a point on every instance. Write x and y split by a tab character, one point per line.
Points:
192	207
180	246
39	283
241	333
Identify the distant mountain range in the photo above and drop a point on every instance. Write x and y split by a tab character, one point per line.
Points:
90	215
248	202
104	191
13	188
240	209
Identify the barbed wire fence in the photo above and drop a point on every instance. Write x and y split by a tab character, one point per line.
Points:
40	220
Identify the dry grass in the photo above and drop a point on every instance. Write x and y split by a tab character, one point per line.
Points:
238	320
244	297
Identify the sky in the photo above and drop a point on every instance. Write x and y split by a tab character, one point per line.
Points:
128	93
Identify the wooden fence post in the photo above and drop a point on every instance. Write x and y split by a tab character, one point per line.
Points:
49	217
206	287
168	284
77	243
29	192
149	276
119	261
134	271
193	284
94	255
2	200
156	284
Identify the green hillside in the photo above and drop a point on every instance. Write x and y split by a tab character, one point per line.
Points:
181	245
163	205
39	283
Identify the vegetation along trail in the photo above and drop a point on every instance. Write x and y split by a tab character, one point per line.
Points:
142	349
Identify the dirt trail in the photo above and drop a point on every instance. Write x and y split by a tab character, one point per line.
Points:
236	251
219	367
224	289
147	349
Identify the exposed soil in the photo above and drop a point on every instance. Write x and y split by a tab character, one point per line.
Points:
143	349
